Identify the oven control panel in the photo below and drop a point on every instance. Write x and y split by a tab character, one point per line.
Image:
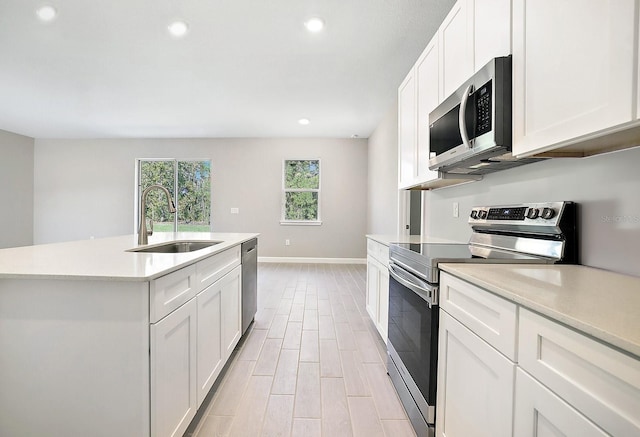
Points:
546	214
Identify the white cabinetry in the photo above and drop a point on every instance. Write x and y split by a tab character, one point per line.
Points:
191	344
475	380
377	297
407	131
566	383
219	327
474	32
600	382
173	372
573	71
456	47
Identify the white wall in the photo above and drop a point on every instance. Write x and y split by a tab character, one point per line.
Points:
85	188
16	190
382	188
606	187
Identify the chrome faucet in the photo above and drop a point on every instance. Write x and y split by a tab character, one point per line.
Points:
143	233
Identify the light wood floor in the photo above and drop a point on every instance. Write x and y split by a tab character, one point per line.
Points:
313	363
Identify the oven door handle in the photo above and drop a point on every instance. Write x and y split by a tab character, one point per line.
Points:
427	292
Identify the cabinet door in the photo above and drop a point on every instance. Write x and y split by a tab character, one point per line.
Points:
475	385
539	412
231	301
428	97
573	66
491	30
407	131
373	285
173	372
456	47
210	357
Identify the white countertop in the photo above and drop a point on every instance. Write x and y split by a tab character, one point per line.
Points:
387	239
600	303
107	258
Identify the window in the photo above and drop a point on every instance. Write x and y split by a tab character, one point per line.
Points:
189	183
301	192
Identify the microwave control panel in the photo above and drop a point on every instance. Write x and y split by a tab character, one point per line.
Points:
483	109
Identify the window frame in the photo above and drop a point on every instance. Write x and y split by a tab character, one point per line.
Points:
174	195
285	190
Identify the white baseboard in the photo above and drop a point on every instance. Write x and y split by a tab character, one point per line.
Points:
301	260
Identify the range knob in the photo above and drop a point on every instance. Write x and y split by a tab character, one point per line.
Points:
474	214
482	214
548	213
533	213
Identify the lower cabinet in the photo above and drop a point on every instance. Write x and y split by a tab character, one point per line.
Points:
377	294
539	412
189	348
173	371
218	328
475	384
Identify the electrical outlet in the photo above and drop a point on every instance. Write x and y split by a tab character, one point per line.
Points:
235	210
456	209
287	242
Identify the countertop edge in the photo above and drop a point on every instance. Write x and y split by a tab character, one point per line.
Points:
624	345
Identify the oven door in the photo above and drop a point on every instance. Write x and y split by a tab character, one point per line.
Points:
413	345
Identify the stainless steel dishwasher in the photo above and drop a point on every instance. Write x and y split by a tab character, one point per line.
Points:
249	282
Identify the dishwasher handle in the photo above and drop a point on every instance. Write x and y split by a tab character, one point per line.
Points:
424	290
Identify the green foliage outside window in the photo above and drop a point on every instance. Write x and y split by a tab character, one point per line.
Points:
302	186
192	197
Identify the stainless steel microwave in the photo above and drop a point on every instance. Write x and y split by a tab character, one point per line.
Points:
470	131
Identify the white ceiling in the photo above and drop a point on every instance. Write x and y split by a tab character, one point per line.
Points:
247	68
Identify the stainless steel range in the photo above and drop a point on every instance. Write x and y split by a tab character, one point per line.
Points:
523	233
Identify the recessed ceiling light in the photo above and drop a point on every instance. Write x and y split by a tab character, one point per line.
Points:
304	121
314	24
46	13
178	28
355	136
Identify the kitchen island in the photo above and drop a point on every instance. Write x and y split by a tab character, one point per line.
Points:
98	340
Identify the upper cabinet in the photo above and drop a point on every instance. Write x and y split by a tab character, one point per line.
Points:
573	75
474	32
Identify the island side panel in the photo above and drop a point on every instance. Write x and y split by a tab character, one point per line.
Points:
74	358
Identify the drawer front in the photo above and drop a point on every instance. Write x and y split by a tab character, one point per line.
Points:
378	251
211	269
491	317
168	292
601	382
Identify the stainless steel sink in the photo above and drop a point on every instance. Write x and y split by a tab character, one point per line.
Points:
176	247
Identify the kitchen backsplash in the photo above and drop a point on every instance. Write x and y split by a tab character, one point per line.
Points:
606	187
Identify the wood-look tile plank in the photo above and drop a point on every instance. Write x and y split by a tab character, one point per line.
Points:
336	421
263	318
278	326
309	346
289	293
367	347
307	402
297	313
384	395
285	306
284	381
330	365
299	297
364	418
355	379
397	428
279	416
345	337
292	335
229	394
250	413
306	427
324	307
268	358
311	301
310	320
326	328
252	345
215	426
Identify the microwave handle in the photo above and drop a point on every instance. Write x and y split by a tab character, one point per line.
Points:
462	122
